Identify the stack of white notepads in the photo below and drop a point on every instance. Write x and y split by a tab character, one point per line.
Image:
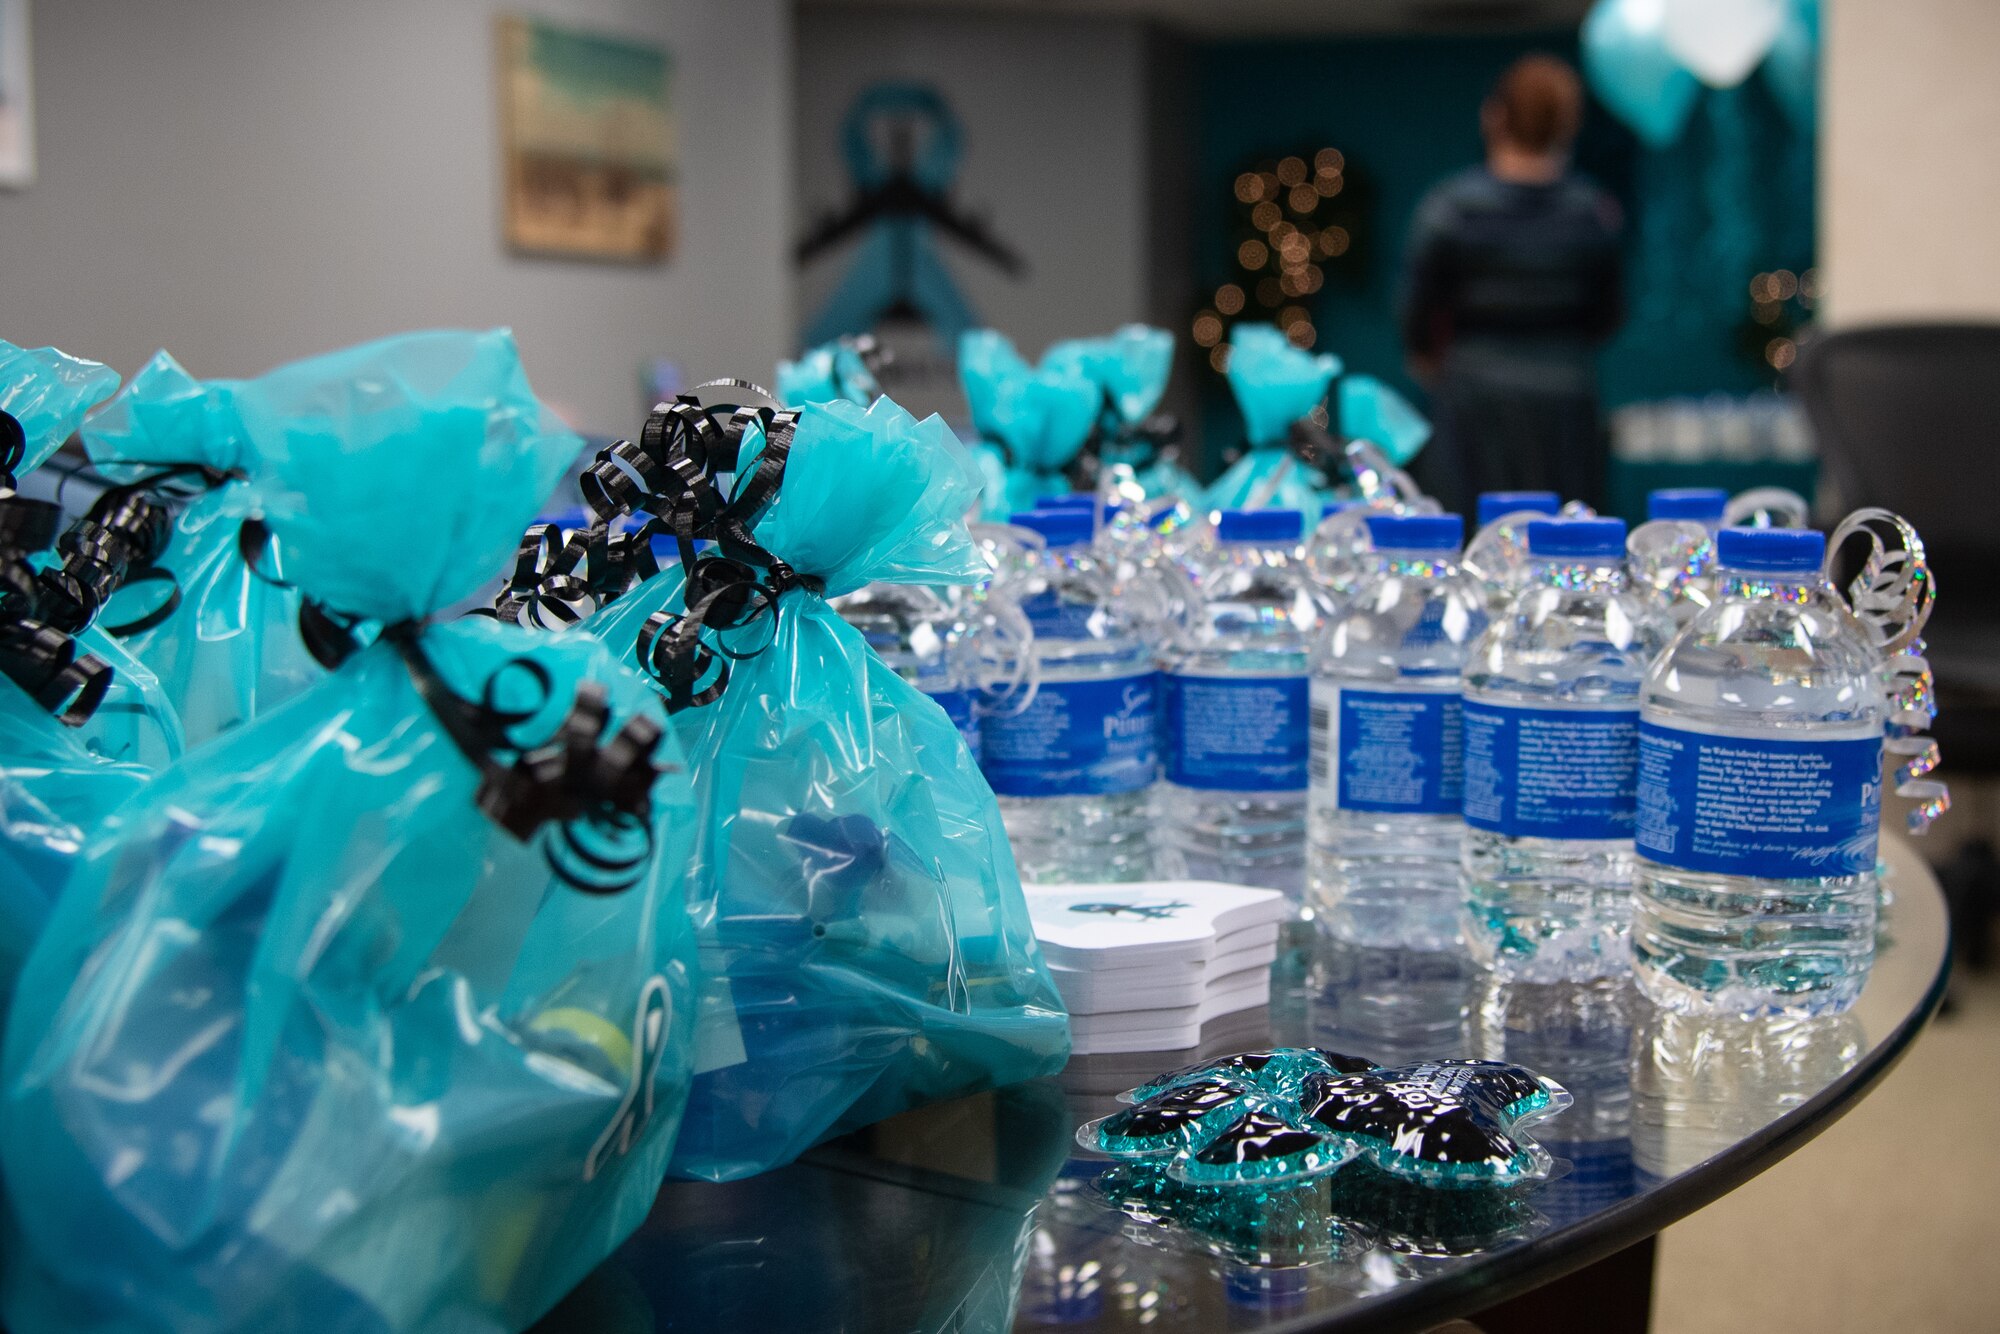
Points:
1142	967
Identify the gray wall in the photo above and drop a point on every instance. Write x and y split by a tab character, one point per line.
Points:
1054	115
249	181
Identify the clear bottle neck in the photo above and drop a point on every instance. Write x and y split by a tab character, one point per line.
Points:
1603	574
1417	563
1794	586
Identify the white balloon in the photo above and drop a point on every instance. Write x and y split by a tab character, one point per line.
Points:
1721	41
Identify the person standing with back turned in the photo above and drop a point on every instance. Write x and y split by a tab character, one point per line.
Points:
1513	281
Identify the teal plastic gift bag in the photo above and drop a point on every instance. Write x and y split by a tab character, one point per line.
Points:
1037	418
1276	385
55	790
224	643
45	394
835	371
1372	411
1130	369
373	1013
863	930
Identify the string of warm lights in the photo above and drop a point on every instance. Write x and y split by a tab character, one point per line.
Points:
1781	313
1281	264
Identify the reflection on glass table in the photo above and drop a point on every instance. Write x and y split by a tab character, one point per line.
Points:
983	1214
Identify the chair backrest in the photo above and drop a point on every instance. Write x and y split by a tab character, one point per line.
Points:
1908	417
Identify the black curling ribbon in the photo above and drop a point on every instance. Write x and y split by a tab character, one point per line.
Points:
46	663
1158	435
13	449
558	579
737	582
673	472
596	793
39	658
1314	445
119	544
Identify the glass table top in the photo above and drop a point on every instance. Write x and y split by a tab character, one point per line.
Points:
983	1214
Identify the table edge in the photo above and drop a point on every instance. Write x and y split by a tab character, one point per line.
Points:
1511	1272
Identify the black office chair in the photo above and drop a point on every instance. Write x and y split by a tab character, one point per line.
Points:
1908	417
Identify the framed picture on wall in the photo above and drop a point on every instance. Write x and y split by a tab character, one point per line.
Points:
17	97
588	135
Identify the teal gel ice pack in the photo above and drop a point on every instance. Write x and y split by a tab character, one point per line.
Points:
1292	1113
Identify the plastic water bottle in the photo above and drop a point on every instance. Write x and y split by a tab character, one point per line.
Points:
1760	761
1496	505
1551	760
1672	554
1497	555
1386	762
1234	695
917	632
1075	769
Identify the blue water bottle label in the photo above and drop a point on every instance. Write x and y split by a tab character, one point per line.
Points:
1076	738
1551	773
1236	733
1395	751
1771	808
957	706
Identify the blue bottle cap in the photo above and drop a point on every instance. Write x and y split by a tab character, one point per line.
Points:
1777	550
1333	507
1577	537
1703	504
1059	528
1258	526
1069	500
1416	532
1493	504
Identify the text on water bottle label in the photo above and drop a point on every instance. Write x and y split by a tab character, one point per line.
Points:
1392	751
1076	738
1765	807
1551	773
1237	733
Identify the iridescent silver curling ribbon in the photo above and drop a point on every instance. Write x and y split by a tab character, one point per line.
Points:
1892	597
1766	507
1337	549
1004	667
1497	555
1382	484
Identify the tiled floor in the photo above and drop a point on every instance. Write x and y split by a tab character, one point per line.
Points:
1888	1223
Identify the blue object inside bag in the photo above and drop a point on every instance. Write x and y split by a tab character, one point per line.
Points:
230	648
864	936
313	1040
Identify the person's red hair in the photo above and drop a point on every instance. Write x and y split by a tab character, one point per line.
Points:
1538	104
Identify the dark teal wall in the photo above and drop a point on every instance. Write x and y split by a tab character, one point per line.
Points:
1734	196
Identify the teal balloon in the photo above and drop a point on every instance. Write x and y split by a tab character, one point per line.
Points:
1791	68
1630	69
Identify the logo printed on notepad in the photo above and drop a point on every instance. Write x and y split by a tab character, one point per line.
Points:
1152	912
